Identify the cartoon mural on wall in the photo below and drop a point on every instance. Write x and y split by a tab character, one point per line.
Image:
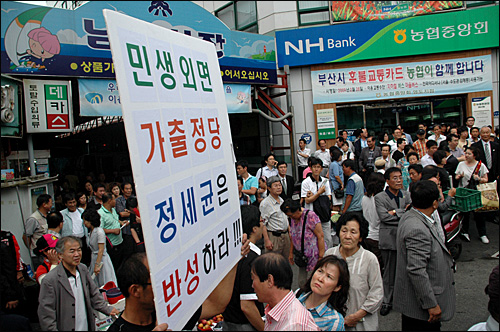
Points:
53	41
28	44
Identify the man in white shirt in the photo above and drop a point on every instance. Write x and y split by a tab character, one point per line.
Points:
432	147
313	187
474	135
437	134
270	168
303	155
396	134
469	122
73	224
324	155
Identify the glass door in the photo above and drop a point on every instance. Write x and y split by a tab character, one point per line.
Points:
350	118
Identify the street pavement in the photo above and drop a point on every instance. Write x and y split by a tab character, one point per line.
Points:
473	270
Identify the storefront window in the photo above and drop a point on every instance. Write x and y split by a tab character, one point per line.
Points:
384	117
239	15
447	111
313	12
350	117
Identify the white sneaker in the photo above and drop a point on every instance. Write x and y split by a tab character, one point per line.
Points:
484	239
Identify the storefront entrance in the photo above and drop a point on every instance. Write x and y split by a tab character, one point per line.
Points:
384	117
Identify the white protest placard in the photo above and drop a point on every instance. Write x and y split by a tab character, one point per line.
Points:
179	141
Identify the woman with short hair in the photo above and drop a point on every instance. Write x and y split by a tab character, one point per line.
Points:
366	288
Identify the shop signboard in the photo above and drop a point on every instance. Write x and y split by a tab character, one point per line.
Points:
75	42
99	97
178	133
238	98
429	34
325	121
481	111
381	10
402	80
48	106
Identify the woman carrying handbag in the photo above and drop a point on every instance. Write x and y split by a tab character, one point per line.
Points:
470	173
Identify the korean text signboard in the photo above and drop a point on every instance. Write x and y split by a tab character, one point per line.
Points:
481	111
99	97
48	106
40	40
179	141
325	120
428	34
402	80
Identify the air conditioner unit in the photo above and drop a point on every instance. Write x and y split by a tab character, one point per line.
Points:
8	104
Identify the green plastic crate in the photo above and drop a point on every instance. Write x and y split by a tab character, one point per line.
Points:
466	200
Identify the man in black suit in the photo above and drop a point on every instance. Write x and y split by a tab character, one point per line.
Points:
287	181
488	154
451	162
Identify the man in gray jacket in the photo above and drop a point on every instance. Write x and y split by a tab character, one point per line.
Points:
68	294
391	205
424	291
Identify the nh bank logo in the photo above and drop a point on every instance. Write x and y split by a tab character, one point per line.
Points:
400	36
330	43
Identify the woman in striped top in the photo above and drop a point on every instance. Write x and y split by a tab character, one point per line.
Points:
325	293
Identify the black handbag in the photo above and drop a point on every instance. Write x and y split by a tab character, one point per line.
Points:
473	182
339	193
321	206
298	255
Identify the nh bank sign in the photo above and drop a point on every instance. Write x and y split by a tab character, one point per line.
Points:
329	43
437	33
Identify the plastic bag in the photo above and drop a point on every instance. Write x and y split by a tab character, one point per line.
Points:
489	196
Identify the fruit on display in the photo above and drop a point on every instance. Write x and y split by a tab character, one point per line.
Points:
206	325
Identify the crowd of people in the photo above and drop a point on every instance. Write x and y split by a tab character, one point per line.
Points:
375	184
365	231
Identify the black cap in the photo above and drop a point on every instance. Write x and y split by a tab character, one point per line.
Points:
420	132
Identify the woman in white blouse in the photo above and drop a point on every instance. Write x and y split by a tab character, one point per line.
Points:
467	170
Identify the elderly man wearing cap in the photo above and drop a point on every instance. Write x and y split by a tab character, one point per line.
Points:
276	235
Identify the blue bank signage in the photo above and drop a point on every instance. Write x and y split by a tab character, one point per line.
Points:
46	41
447	32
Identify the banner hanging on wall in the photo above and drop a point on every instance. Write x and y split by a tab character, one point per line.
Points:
402	80
99	98
238	98
381	10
